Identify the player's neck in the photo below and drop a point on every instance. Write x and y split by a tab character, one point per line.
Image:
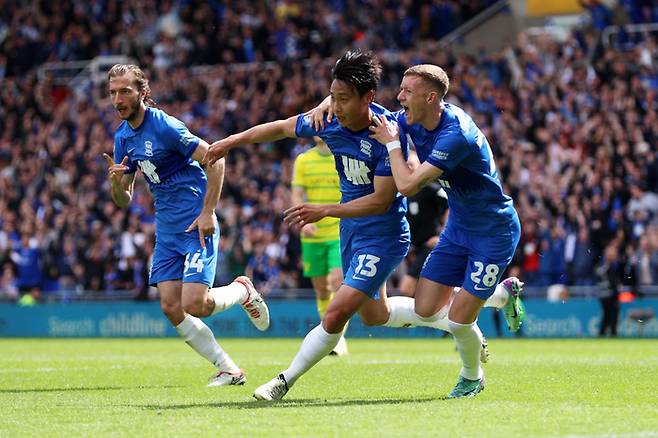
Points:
361	123
137	120
433	118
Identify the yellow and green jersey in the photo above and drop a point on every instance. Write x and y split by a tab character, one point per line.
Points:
316	174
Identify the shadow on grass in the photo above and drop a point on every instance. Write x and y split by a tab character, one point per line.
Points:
86	388
292	403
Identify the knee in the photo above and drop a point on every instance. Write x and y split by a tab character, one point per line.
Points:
193	306
424	311
172	310
334	320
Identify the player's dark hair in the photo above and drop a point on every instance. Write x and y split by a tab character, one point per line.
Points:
361	70
141	81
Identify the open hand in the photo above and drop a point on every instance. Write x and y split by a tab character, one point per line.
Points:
318	114
217	151
303	214
384	130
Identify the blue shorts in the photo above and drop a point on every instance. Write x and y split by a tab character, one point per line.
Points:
368	261
179	256
473	262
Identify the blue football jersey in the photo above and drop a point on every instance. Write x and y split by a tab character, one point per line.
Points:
359	159
458	147
161	148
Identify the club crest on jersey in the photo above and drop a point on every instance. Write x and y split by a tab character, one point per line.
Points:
366	148
148	148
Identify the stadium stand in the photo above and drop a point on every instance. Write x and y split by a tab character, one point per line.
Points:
573	124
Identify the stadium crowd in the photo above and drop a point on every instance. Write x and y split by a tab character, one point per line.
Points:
573	124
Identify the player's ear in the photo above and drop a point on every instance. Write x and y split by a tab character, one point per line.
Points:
432	96
369	96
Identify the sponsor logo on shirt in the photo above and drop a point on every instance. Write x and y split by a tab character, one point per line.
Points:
355	171
187	138
440	155
149	170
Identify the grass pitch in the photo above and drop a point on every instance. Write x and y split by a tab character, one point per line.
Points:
101	387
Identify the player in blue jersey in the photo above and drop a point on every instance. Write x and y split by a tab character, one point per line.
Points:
483	227
187	234
374	233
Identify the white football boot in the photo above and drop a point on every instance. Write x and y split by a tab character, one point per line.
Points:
275	389
225	378
254	305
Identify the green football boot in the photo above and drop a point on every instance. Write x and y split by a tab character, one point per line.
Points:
514	310
467	388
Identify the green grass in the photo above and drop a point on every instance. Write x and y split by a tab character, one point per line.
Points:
157	387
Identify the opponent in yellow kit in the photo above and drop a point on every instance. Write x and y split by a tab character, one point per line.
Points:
315	181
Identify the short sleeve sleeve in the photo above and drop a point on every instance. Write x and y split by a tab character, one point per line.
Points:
304	128
178	137
448	151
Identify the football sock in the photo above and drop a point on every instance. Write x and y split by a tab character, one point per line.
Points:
403	314
198	336
227	296
316	345
469	343
499	297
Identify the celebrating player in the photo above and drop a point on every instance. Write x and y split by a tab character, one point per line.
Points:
374	233
483	227
187	233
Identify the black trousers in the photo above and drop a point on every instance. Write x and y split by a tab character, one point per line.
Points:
610	318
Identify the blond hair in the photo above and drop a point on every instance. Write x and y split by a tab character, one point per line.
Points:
140	79
433	75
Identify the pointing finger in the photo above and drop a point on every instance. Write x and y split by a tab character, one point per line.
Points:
202	239
108	159
192	226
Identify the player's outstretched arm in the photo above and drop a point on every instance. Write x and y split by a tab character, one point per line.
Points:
377	202
298	195
122	184
408	181
206	222
266	132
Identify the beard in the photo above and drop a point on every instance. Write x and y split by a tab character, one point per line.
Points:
132	111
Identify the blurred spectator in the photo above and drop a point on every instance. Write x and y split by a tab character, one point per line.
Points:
609	282
8	287
573	125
